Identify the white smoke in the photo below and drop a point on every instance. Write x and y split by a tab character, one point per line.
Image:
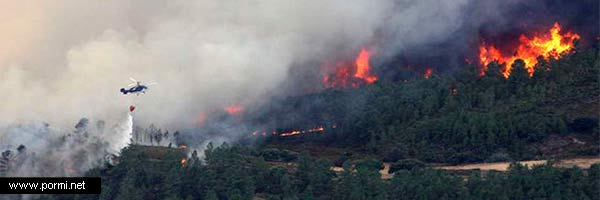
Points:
71	57
51	151
123	136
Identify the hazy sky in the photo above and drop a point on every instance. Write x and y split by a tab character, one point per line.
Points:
63	60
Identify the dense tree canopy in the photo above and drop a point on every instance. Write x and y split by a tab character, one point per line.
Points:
237	172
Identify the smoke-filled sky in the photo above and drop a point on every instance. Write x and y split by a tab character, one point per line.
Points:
63	60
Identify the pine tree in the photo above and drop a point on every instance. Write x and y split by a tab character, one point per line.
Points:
519	76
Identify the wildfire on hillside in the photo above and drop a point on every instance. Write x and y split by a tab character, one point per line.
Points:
552	44
355	70
296	132
351	75
315	129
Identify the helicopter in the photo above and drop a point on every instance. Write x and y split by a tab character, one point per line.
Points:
136	87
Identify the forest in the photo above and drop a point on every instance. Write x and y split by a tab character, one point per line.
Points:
240	172
466	117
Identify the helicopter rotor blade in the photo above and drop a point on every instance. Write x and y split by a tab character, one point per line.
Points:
153	83
132	79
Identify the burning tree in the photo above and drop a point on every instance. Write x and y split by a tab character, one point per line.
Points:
350	75
550	45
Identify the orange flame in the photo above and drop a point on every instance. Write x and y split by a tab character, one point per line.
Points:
362	67
298	132
183	162
290	133
183	146
293	132
552	45
352	75
200	119
428	72
234	109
